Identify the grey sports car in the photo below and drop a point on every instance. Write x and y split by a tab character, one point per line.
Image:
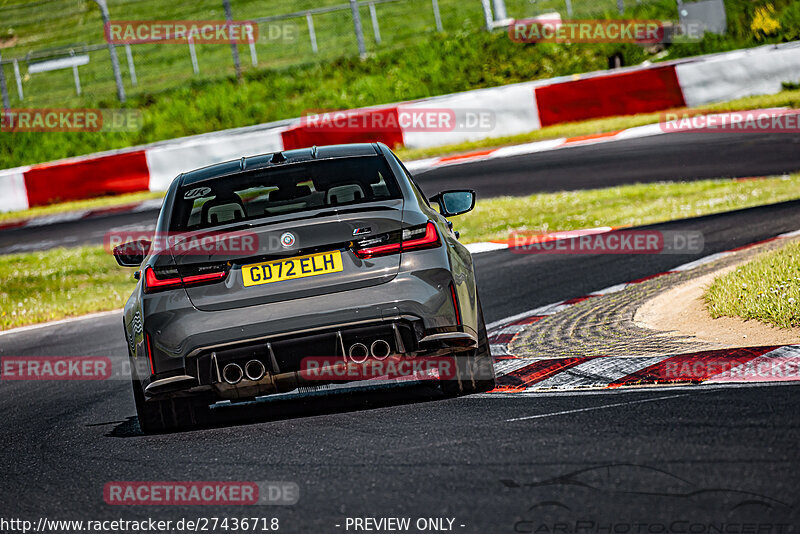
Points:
330	255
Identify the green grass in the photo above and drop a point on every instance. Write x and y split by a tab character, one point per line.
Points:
76	205
766	289
629	205
43	286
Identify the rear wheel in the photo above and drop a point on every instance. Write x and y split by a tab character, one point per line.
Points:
169	414
482	363
474	371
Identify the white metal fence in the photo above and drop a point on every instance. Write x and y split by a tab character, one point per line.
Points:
55	51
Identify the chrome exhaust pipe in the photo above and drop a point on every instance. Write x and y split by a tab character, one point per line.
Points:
358	352
232	373
254	370
380	349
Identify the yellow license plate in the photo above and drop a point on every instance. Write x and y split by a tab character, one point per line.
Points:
257	274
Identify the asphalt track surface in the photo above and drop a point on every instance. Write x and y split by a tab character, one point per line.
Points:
675	156
656	460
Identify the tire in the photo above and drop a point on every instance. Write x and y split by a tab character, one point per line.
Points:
170	414
457	384
474	373
482	361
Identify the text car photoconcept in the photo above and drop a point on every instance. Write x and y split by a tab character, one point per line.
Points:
326	252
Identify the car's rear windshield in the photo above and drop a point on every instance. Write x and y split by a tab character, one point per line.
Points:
283	189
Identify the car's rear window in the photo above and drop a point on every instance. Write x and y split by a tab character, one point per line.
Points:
283	189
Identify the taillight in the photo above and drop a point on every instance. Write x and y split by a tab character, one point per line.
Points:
172	280
417	238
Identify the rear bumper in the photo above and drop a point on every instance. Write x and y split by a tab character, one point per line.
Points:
284	363
413	305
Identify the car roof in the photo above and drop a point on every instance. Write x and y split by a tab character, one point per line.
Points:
273	159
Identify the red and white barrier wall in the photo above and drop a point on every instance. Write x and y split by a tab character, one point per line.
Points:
514	109
13	193
755	71
168	160
625	93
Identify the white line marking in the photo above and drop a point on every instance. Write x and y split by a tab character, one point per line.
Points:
57	218
68	320
528	148
421	165
489	246
152	204
702	261
523	315
603	407
611	289
485	246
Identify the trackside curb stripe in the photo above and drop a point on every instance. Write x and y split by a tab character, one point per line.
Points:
521	374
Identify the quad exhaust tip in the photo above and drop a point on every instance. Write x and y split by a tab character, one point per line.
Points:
380	349
232	373
358	352
254	370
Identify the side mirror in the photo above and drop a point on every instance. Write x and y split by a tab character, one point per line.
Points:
454	202
132	253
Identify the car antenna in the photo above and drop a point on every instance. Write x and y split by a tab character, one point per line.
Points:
277	157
